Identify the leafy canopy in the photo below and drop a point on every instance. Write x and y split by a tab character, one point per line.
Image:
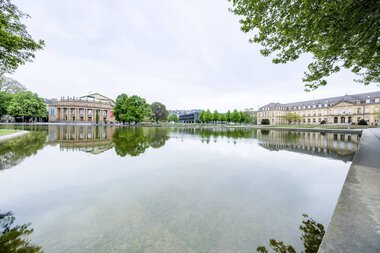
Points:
15	239
338	34
131	109
27	104
159	112
16	44
173	117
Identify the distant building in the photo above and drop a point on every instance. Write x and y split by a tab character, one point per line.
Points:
189	118
82	109
182	112
335	110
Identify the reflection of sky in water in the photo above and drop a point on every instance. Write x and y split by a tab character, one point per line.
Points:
187	196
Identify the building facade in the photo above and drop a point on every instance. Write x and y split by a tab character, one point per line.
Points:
87	108
189	118
348	109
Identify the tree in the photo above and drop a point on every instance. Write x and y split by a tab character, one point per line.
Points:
159	111
228	116
14	239
265	122
235	116
5	99
173	117
27	105
337	33
222	117
215	116
292	117
312	236
16	45
10	85
131	109
207	116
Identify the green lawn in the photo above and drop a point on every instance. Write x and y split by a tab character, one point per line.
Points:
7	131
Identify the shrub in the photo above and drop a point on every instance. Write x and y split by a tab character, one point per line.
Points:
362	122
323	122
265	122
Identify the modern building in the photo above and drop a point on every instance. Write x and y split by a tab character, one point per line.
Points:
336	110
189	118
182	112
87	108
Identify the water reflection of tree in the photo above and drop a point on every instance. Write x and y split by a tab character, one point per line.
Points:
14	239
14	151
312	235
134	141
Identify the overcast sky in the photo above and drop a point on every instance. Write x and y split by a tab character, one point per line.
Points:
185	54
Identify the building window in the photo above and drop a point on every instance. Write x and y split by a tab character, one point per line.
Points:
368	100
377	100
314	120
52	111
367	110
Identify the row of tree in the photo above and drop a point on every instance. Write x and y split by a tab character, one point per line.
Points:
216	117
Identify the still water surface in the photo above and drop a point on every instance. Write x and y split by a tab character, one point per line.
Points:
110	189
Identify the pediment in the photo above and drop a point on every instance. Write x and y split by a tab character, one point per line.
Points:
341	104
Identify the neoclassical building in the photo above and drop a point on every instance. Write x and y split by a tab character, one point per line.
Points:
335	110
82	109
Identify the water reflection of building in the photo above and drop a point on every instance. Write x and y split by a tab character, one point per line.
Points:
90	139
340	146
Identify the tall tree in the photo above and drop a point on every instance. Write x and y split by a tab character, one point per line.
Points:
9	85
173	117
27	105
159	112
16	44
338	34
215	116
5	99
131	109
235	116
228	116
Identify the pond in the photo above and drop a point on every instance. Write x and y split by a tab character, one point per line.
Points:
120	189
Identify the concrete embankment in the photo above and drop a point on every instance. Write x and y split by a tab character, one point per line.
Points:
11	136
355	224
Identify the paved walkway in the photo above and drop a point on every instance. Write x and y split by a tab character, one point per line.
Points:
10	136
355	224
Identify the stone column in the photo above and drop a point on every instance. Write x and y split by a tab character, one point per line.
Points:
69	114
62	114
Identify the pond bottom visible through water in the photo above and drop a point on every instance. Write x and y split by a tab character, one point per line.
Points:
88	189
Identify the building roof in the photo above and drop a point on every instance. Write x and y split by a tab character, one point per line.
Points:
329	101
98	96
